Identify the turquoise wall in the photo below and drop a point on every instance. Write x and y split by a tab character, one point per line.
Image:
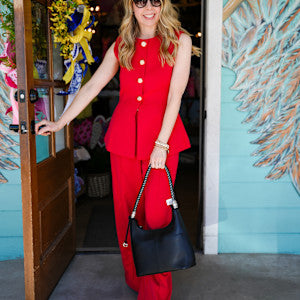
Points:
259	200
11	229
255	214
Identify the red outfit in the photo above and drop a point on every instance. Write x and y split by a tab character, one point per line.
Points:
137	119
152	213
133	129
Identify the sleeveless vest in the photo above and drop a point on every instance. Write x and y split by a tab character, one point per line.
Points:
137	119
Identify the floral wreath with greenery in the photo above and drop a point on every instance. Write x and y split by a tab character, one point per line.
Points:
71	27
62	12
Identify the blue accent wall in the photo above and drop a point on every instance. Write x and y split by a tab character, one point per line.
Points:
11	229
255	214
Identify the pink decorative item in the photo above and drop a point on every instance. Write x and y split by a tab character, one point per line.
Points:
41	108
83	132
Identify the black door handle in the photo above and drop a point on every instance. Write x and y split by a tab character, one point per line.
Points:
16	127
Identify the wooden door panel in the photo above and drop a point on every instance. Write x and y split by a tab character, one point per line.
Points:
47	184
53	172
54	262
53	218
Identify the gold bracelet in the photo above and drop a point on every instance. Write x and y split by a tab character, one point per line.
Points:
157	142
162	147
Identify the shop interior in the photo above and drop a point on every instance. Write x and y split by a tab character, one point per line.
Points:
95	224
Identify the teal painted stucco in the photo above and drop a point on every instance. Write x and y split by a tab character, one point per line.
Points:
11	229
255	214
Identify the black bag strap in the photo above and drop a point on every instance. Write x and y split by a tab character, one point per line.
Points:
174	202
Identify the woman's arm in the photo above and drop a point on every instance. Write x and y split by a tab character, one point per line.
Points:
179	80
105	72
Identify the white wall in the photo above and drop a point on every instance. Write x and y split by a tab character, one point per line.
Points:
213	40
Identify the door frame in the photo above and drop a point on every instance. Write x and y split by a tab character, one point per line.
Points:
212	100
28	152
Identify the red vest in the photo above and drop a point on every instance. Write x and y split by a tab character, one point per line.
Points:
137	119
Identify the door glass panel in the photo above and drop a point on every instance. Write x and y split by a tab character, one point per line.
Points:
59	105
39	40
42	111
57	61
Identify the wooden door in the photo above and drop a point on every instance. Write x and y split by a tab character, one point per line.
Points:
46	162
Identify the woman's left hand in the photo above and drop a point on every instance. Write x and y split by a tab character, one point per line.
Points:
158	158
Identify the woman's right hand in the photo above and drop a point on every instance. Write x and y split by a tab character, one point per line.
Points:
47	128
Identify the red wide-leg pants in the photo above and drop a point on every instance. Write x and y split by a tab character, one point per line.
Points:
152	213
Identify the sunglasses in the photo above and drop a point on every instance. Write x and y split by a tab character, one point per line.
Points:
143	3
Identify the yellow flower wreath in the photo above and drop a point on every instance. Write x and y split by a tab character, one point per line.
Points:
61	11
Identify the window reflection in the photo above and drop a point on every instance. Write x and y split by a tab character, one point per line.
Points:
39	40
42	111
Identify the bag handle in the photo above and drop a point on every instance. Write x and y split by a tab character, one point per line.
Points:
174	202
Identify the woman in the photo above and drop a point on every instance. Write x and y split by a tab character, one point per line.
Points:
154	55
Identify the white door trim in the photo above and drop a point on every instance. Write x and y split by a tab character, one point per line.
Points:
213	51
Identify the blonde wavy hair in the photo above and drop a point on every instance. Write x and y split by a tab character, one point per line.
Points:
167	27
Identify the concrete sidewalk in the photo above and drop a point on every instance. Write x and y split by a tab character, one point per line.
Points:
223	276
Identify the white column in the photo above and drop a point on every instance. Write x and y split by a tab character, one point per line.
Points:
213	40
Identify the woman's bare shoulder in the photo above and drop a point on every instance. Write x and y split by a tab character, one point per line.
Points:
185	38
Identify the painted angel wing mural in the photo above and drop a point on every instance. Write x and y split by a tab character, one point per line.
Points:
7	88
7	144
261	45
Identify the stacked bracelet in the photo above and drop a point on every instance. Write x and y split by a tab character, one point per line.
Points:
162	145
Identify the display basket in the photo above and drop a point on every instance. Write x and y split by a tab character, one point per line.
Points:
99	185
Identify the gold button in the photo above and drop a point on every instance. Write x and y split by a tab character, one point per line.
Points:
139	98
144	44
142	62
140	80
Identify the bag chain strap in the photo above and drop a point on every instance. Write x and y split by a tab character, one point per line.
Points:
174	202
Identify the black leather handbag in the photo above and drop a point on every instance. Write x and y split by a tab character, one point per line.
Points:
164	249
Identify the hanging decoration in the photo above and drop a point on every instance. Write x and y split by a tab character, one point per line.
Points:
72	28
